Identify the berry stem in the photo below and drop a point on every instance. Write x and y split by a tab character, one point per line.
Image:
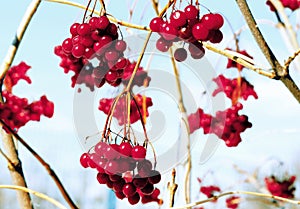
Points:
257	194
291	59
113	19
239	58
85	12
38	194
103	6
281	73
286	23
50	171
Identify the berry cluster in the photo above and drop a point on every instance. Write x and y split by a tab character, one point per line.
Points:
95	41
233	202
292	4
16	73
16	111
120	110
125	169
233	64
188	27
279	188
232	88
209	191
227	124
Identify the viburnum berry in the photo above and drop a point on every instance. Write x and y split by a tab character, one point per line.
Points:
291	4
210	191
138	152
282	188
180	54
178	18
233	202
230	86
233	64
191	12
84	160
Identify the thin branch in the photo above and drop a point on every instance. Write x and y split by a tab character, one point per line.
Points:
38	194
239	58
18	37
10	163
214	198
113	19
172	187
287	24
291	59
51	172
269	55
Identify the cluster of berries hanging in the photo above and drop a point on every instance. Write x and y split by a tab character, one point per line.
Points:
279	188
16	111
228	124
292	4
124	168
187	26
136	108
95	55
210	191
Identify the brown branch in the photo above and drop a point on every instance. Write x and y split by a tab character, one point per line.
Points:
172	187
50	171
281	73
18	38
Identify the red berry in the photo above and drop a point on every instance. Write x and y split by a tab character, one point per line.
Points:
78	50
120	45
67	45
84	159
112	167
73	29
134	199
200	32
125	149
163	45
102	178
178	19
129	189
169	32
180	54
102	23
138	152
112	152
84	29
155	24
154	177
100	165
216	36
191	12
148	189
139	182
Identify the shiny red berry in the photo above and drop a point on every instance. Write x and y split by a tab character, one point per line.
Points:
138	152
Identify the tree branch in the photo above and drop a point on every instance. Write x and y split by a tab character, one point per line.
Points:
50	171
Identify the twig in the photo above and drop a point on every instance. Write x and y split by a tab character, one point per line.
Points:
269	55
287	24
18	37
138	62
291	59
38	194
45	164
239	58
172	187
113	19
214	198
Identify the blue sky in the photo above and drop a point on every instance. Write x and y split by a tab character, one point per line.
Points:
275	115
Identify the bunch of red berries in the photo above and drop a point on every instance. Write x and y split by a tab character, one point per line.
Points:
292	4
231	87
16	111
94	54
125	169
233	64
227	124
279	188
136	108
187	26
